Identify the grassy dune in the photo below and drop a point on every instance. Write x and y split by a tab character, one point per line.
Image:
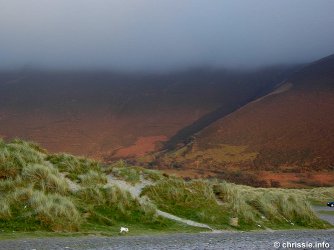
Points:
36	194
224	205
40	192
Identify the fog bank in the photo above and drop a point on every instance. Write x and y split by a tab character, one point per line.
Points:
163	34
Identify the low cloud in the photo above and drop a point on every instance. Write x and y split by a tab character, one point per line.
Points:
163	34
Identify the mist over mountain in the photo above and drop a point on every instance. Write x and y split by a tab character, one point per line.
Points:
163	35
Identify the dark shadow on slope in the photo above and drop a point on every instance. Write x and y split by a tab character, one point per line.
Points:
184	136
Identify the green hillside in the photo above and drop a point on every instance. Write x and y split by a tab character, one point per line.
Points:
40	192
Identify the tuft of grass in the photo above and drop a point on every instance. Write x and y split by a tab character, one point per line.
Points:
193	200
45	177
44	211
16	155
92	178
5	212
112	204
10	184
238	206
152	175
129	174
318	196
132	174
90	195
232	199
274	208
55	212
74	166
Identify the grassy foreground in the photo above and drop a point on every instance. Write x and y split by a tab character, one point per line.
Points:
61	193
241	207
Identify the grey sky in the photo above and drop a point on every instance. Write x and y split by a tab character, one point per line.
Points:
163	34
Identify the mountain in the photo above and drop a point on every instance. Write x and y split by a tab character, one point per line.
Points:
112	115
285	138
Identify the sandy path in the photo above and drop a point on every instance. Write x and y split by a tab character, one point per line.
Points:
135	191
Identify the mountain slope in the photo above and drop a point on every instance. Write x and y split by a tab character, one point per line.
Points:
286	136
108	115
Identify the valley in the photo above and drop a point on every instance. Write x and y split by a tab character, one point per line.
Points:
271	127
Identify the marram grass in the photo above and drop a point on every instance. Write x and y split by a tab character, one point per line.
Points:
36	193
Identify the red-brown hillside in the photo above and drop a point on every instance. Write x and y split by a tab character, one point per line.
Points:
286	136
110	115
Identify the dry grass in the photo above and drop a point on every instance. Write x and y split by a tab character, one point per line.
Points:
35	195
72	165
112	204
5	212
52	211
252	207
219	154
16	155
45	178
92	178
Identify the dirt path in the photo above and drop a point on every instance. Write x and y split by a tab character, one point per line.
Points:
188	222
135	191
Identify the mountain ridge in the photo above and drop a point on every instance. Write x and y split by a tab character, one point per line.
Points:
290	130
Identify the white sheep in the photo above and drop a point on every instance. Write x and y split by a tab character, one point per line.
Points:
124	230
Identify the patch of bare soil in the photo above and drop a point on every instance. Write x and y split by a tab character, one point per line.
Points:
142	146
